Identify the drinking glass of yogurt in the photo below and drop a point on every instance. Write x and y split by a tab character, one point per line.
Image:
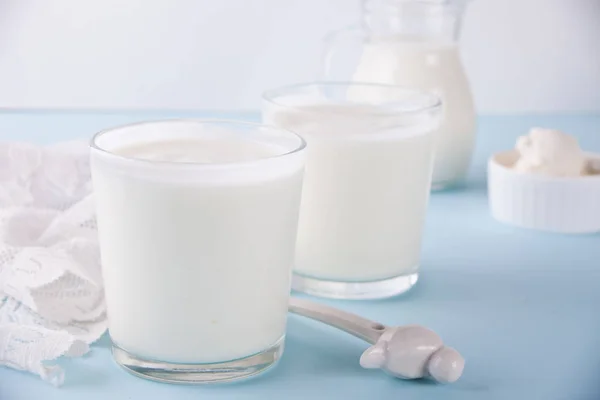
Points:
366	184
197	224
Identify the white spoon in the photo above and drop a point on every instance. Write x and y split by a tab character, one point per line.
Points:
407	352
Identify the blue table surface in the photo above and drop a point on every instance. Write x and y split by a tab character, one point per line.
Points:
520	305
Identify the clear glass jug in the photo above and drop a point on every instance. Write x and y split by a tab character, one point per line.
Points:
413	43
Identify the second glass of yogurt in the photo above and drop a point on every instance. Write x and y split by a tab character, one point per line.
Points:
366	185
197	224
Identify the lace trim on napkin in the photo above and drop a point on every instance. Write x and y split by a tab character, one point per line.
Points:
51	294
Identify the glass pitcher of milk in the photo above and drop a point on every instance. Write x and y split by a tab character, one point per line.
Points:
413	43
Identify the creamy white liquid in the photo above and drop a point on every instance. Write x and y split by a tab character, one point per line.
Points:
365	192
196	265
438	68
197	151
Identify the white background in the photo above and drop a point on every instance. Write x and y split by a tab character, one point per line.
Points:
521	55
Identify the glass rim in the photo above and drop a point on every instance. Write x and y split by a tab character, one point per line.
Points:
385	109
93	143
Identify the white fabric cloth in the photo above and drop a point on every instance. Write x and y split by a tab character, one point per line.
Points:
51	297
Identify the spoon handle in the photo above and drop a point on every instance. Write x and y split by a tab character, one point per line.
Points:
360	327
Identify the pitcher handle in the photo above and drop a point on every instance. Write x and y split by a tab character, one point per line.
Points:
329	48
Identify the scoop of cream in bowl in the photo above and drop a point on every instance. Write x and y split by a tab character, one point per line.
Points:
550	152
547	183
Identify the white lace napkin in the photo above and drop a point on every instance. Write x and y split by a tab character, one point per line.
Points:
51	297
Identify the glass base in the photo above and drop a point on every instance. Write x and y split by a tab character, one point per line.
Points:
446	185
354	290
199	373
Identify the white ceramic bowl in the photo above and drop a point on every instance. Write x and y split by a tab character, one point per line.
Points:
554	204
